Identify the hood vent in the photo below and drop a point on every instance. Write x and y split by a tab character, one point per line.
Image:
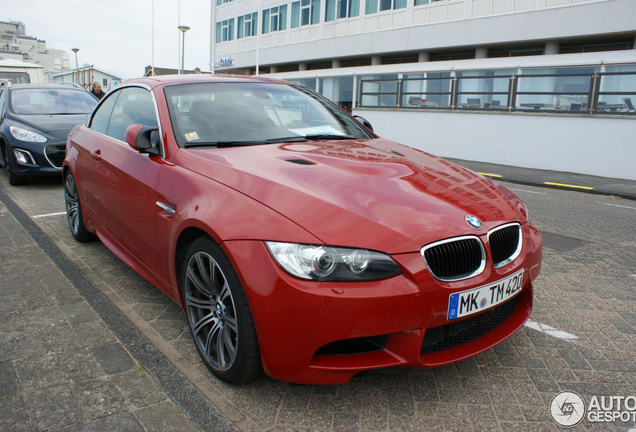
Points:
300	161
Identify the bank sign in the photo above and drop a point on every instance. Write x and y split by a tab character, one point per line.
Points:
224	62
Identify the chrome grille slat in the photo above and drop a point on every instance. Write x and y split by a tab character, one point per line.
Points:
505	243
455	259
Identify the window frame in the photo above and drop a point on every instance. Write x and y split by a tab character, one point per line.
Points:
116	94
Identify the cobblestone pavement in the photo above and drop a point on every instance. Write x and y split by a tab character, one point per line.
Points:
59	364
582	338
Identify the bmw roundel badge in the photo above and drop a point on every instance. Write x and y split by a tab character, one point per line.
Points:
474	222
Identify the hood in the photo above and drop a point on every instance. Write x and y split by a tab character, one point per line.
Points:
55	127
371	194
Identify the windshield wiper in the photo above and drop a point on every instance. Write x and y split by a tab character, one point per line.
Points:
325	137
220	144
310	137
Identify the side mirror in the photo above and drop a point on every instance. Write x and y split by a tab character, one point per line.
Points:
144	139
364	121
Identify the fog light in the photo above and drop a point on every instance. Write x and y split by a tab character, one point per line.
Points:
23	157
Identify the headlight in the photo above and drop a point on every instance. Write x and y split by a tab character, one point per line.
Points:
26	135
327	263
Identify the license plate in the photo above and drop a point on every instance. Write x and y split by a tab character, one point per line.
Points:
475	300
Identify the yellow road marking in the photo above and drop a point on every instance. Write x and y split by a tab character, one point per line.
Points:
569	185
490	175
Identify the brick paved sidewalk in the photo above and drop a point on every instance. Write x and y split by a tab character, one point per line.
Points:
61	367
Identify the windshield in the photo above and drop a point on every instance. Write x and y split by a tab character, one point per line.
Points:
254	113
51	101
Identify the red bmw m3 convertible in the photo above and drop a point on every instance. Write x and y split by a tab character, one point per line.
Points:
296	240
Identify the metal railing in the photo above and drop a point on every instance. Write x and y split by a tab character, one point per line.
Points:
596	93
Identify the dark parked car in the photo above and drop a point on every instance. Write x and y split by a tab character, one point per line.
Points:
34	122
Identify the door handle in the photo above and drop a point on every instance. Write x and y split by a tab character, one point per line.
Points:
97	154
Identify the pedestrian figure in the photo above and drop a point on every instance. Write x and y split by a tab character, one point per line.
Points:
97	91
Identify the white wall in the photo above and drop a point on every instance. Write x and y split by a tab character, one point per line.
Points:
600	146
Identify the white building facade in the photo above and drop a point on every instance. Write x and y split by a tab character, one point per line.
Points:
546	84
313	34
86	76
17	45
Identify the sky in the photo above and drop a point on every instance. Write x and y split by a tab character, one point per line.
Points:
116	35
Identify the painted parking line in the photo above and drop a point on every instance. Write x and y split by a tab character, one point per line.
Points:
550	331
527	191
50	214
619	206
568	185
490	175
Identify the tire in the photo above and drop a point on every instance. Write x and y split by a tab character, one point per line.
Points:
74	211
9	166
218	314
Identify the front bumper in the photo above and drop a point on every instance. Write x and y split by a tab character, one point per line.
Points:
47	158
299	323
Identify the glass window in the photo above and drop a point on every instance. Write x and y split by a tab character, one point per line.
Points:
225	30
246	25
617	91
371	7
305	12
15	77
105	82
133	106
307	82
253	112
274	19
51	101
102	115
341	9
379	90
339	90
220	2
420	2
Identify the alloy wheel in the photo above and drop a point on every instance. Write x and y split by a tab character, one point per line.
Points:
211	311
72	204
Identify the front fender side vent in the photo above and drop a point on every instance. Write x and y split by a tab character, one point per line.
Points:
300	161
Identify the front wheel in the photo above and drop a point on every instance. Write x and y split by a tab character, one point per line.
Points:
74	211
219	316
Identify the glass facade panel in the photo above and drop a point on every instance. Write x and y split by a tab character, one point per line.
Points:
307	82
225	30
330	10
617	93
379	93
339	90
305	12
371	7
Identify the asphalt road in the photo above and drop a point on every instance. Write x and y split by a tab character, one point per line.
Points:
581	338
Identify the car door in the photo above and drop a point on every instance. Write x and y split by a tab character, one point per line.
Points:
120	188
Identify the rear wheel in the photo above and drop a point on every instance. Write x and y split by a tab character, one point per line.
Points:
9	166
219	316
74	211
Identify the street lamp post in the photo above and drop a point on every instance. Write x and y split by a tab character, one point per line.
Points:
75	50
184	29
